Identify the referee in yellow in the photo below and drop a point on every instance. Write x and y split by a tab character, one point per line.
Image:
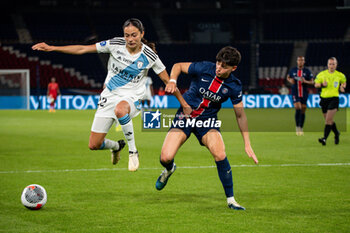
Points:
331	81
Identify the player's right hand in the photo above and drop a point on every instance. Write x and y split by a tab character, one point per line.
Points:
42	47
170	87
250	153
187	111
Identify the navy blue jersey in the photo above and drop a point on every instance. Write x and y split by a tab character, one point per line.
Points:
300	89
207	92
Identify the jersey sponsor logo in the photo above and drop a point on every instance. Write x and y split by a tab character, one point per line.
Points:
131	73
209	95
103	43
127	60
213	89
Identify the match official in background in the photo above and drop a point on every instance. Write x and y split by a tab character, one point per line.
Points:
330	81
300	77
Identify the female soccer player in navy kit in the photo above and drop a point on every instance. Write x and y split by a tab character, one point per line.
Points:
212	85
130	59
299	77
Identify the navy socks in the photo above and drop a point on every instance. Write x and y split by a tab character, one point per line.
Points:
225	175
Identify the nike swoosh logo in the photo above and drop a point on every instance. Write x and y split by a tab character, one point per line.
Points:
204	80
228	171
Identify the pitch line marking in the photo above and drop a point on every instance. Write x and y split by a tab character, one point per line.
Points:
186	167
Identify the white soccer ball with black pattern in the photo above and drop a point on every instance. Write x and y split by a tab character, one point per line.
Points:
34	197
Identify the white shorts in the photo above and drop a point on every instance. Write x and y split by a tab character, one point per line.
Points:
105	116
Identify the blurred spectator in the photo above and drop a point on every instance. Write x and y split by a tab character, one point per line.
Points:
283	90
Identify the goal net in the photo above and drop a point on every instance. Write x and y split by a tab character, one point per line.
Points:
14	89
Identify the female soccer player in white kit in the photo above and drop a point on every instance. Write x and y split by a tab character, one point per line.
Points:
128	65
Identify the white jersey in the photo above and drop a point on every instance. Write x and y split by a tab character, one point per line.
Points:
126	72
148	94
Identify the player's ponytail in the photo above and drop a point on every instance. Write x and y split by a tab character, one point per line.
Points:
149	44
138	24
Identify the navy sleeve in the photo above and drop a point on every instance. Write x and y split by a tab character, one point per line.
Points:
309	75
197	68
236	96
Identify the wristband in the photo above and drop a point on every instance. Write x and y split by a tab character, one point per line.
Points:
172	80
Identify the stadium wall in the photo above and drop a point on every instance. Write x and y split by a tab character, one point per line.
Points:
81	102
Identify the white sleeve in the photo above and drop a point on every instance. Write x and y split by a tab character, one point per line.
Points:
158	66
103	47
150	81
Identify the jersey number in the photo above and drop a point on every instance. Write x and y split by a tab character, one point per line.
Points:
102	102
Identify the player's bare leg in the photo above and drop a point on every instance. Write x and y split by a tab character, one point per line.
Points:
122	111
215	144
172	142
98	141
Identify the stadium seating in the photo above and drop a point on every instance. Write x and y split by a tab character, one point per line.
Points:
277	34
180	27
305	25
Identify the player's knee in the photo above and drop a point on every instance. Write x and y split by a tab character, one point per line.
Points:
165	157
121	110
219	156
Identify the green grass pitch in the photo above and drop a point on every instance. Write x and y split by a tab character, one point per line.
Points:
299	186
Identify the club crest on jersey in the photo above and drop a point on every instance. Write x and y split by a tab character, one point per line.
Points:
224	90
139	64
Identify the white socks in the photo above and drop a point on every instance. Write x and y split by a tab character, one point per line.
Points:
109	144
128	130
230	200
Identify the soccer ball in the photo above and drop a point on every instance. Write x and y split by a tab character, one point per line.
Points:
34	197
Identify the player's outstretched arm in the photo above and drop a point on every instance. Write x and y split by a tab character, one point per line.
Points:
69	49
171	88
243	126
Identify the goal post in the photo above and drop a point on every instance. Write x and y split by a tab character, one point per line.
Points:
14	89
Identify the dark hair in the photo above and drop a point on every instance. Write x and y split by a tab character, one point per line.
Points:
229	55
138	24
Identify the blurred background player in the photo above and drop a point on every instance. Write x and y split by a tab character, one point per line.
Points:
300	77
212	84
161	91
146	101
331	81
52	91
130	59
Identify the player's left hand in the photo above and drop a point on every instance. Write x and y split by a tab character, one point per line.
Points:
250	153
170	87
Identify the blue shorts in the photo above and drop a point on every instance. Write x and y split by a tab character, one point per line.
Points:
189	127
302	99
